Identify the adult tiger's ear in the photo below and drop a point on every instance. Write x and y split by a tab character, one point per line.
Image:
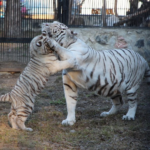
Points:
74	33
62	26
71	33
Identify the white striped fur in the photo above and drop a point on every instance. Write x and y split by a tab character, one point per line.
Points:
109	72
32	80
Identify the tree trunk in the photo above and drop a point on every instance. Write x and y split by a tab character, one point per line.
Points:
115	8
12	19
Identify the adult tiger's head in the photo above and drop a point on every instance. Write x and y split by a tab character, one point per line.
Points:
60	32
39	46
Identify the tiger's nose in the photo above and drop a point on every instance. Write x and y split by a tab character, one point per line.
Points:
49	33
44	33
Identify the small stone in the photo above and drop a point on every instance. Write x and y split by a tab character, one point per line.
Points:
140	43
46	143
102	39
72	131
139	32
129	32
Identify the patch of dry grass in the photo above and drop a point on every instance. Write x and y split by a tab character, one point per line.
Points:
90	131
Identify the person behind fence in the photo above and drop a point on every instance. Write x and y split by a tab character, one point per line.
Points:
32	80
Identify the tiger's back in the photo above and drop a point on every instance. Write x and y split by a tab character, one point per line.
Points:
119	69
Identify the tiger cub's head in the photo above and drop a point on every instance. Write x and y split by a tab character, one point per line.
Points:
39	46
59	32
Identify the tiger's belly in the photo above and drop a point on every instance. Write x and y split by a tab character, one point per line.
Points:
98	83
78	78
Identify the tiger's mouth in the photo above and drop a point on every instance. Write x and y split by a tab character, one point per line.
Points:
44	33
47	48
49	33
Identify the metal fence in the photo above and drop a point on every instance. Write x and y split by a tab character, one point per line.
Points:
109	13
20	20
17	28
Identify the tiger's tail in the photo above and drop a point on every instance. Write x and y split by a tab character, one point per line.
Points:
147	74
5	97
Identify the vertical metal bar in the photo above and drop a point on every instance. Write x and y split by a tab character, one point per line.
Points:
104	13
60	10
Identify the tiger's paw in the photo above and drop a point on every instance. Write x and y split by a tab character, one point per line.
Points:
73	62
51	42
104	114
127	117
67	122
29	129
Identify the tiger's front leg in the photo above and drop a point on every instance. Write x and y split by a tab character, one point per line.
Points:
71	95
63	53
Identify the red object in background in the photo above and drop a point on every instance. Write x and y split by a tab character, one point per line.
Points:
1	2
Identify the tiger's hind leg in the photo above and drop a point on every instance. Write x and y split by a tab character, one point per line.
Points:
12	119
20	120
132	101
116	105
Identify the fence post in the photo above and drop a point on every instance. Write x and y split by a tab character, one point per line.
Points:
104	13
65	10
59	10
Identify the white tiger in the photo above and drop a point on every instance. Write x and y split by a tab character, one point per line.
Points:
109	72
32	80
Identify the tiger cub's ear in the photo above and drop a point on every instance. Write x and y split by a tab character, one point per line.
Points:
69	38
71	34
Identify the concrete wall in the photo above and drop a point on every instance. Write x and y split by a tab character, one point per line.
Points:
102	39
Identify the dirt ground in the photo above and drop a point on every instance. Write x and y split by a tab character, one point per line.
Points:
90	131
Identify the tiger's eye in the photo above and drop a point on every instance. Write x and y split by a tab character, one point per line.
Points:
39	44
61	44
44	33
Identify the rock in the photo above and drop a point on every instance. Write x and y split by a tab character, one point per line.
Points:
103	39
72	131
139	32
46	143
121	43
145	53
148	42
140	43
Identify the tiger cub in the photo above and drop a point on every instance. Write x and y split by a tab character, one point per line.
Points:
32	80
108	73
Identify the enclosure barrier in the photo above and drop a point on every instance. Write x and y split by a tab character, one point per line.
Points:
20	20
